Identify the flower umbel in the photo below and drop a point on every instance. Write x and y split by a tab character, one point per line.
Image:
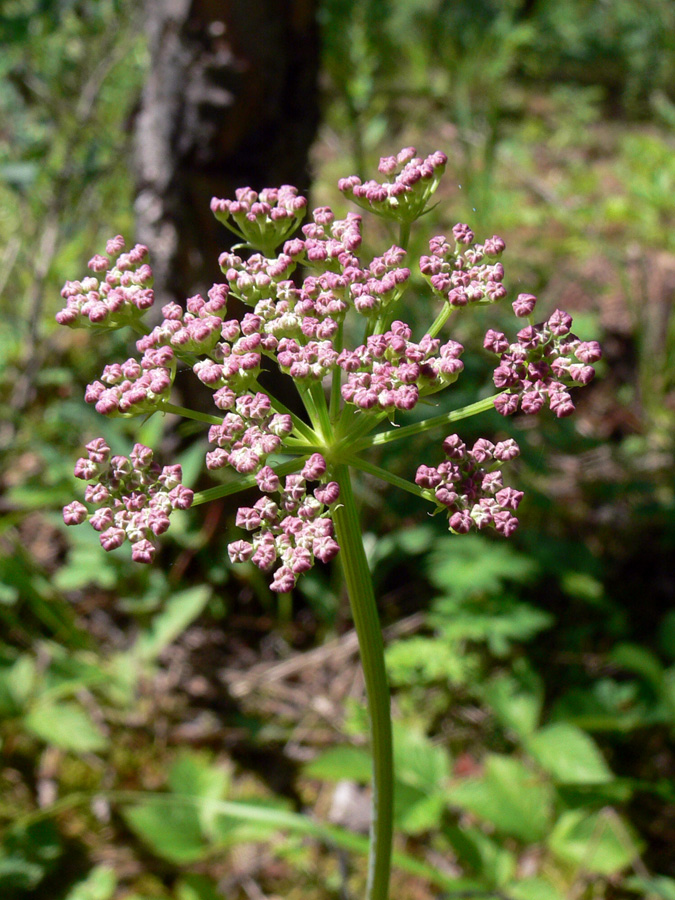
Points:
299	325
133	498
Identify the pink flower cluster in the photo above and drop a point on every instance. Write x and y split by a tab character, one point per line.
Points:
541	364
247	436
469	485
134	498
403	198
195	329
118	298
295	531
391	371
329	243
134	388
298	324
262	220
463	277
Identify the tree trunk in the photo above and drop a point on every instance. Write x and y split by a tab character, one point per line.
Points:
231	100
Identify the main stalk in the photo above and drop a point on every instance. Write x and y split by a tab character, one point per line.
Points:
371	647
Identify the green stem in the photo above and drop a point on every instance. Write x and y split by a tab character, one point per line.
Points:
404	235
167	407
325	428
441	319
336	381
244	482
384	475
307	397
406	431
371	648
301	427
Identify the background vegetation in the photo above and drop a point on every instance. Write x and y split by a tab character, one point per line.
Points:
162	730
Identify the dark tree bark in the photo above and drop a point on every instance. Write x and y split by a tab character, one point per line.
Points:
231	100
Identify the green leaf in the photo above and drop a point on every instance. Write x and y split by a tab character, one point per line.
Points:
510	796
640	661
66	725
416	811
475	566
99	884
598	842
483	855
193	774
569	755
417	761
179	611
497	621
517	707
170	827
342	762
425	660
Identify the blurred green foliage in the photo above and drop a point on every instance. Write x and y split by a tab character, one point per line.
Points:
536	700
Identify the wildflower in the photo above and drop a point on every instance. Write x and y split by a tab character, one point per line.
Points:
298	325
405	197
295	531
120	294
468	485
134	498
541	365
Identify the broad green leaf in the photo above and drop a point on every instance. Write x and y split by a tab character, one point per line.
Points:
606	705
66	725
99	884
342	762
415	811
569	755
179	611
597	842
170	827
484	856
510	796
641	661
193	774
419	762
516	707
